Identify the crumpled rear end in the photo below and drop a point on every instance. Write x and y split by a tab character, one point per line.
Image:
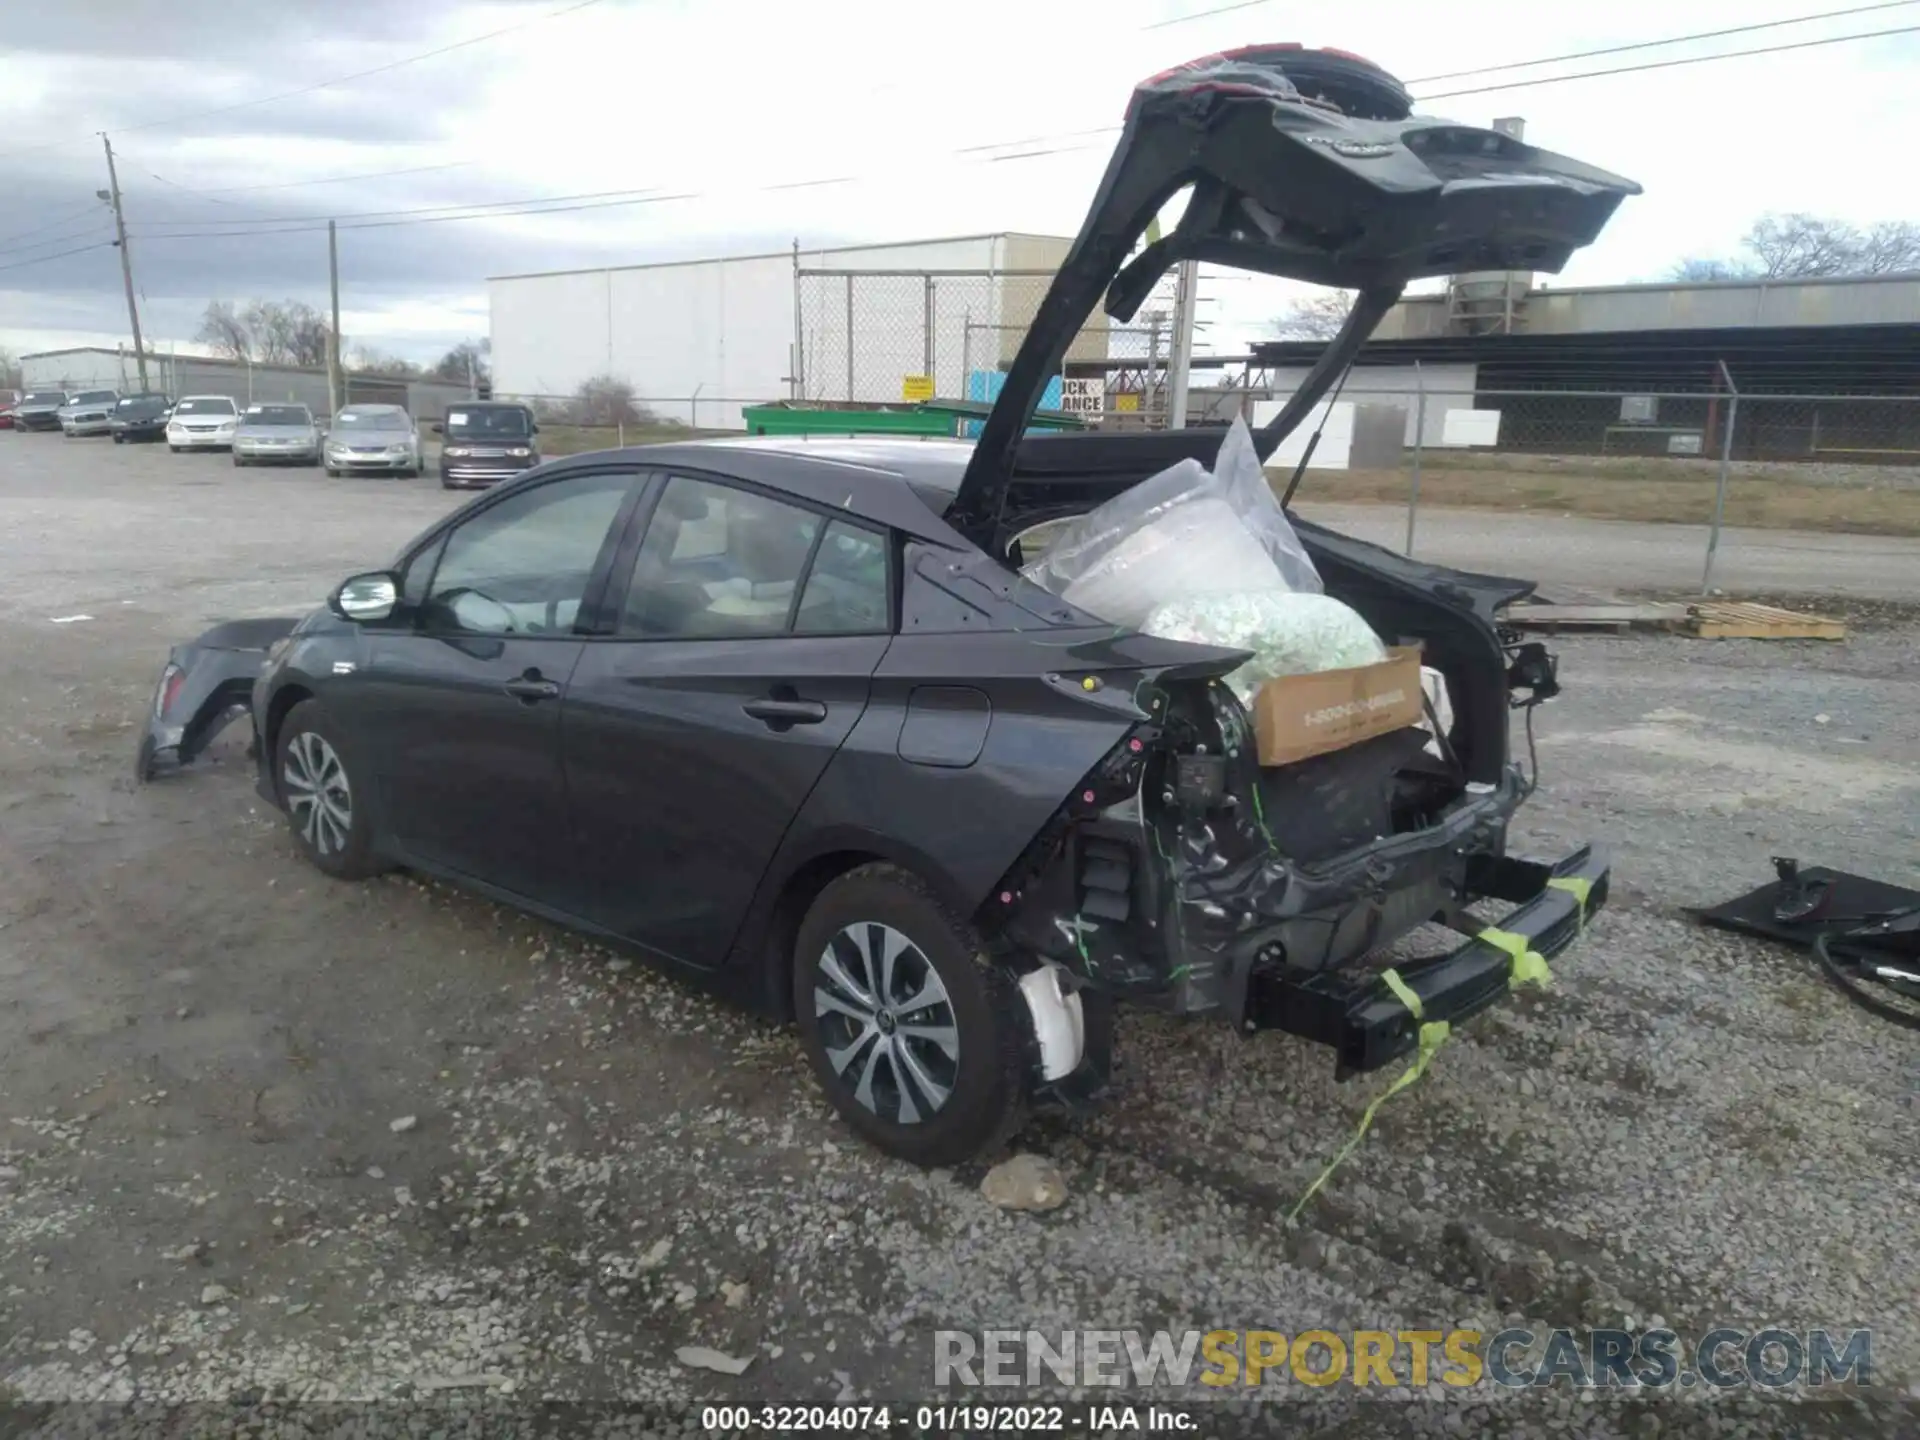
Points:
205	685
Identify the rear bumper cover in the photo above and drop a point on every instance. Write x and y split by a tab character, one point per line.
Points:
1368	1027
216	671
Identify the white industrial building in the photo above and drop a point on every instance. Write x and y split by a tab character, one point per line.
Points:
699	340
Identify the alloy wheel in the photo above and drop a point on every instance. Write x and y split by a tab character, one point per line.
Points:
318	796
886	1022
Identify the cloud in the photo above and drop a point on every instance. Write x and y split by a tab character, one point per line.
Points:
686	95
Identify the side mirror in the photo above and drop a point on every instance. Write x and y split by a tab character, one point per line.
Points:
533	429
439	429
365	598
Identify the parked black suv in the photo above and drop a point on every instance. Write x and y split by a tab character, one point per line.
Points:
486	442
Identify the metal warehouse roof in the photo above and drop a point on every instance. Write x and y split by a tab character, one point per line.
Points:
1832	359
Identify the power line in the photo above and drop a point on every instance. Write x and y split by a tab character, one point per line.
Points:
1659	44
391	65
43	259
1670	64
370	175
559	204
1206	14
84	232
562	204
632	193
48	224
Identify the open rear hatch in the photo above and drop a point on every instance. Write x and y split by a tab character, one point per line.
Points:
1183	872
1303	164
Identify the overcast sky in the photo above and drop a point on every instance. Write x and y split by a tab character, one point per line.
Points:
720	101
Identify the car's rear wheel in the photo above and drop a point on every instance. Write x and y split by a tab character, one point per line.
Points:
318	785
921	1043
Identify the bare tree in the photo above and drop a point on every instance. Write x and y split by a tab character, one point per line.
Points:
1891	247
1802	246
1317	317
286	332
224	330
366	360
272	332
1702	268
10	378
468	357
607	400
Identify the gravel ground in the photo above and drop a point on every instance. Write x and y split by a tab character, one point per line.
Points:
267	1136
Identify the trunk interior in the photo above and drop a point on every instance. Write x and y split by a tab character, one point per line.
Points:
1309	866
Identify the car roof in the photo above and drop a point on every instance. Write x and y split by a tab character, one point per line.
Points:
904	484
228	398
371	409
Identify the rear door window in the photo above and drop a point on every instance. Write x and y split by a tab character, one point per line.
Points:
718	562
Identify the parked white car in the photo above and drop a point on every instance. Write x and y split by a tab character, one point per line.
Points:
203	422
373	437
89	413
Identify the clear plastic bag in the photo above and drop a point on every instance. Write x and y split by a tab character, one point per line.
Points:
1288	633
1186	531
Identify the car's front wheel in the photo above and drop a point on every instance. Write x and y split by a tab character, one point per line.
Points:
323	794
921	1043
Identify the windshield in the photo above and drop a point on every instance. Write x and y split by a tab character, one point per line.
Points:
205	405
372	420
94	397
507	423
45	397
279	415
142	405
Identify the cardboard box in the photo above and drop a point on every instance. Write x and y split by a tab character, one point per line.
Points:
1297	716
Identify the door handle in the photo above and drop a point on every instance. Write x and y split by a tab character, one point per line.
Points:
530	688
779	713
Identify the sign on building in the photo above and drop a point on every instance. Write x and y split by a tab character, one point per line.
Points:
1086	398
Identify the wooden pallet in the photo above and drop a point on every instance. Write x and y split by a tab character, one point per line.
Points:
1737	620
1598	619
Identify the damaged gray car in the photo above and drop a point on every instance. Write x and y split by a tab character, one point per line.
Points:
806	722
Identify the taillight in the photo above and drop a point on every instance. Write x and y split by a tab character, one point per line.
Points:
171	679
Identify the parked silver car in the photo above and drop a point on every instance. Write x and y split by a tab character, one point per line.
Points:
373	437
89	413
276	435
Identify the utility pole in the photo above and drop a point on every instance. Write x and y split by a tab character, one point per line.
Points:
333	332
112	196
1186	300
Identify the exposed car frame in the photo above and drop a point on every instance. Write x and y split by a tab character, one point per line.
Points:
1054	815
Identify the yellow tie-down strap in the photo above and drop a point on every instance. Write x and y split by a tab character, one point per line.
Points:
1433	1034
1578	888
1529	965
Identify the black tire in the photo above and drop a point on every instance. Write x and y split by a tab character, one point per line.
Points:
344	852
986	1087
118	439
174	448
332	474
238	462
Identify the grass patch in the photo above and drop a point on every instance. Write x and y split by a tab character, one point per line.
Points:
1767	504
